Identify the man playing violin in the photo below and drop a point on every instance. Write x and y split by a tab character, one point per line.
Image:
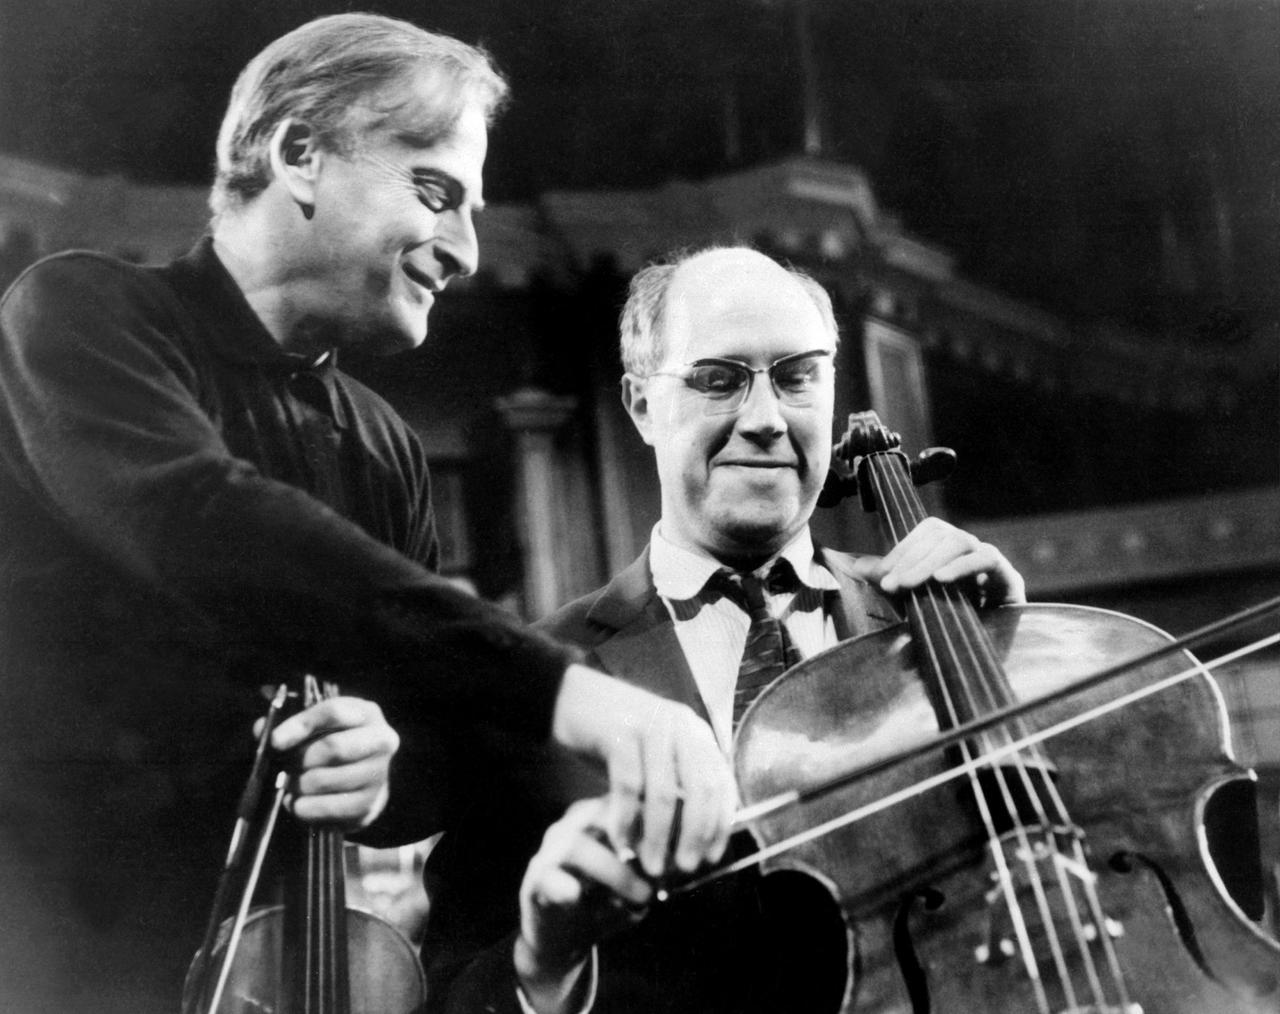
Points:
197	501
730	378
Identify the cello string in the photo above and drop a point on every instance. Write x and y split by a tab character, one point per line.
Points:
1089	887
1069	879
973	642
1017	709
1052	840
1025	850
931	597
795	798
982	653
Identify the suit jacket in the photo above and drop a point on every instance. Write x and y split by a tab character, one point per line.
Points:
742	944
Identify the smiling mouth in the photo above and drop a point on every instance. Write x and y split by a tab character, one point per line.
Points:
421	280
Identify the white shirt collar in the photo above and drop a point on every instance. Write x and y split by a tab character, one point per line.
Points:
680	573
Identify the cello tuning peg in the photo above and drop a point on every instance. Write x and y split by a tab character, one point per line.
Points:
840	484
933	464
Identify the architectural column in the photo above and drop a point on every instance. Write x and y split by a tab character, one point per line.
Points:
534	416
894	364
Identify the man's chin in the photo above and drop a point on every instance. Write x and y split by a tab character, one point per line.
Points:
758	534
410	329
756	523
394	335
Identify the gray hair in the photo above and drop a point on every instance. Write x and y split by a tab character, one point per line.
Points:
643	342
338	75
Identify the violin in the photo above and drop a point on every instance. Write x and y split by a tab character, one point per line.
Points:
1060	861
311	953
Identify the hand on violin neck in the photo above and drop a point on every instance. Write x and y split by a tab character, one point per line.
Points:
671	793
577	891
341	760
936	550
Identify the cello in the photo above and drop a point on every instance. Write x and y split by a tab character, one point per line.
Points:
1057	863
311	953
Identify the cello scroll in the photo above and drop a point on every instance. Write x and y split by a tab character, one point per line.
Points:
865	434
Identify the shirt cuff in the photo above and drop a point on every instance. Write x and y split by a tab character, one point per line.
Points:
593	973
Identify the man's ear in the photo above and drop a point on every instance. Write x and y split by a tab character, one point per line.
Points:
635	399
295	162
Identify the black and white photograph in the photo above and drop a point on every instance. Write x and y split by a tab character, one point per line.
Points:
640	507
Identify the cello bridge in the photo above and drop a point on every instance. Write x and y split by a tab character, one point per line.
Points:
1042	892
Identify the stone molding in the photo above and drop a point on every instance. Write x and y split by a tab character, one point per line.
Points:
1166	540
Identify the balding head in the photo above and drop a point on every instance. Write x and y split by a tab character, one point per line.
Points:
643	340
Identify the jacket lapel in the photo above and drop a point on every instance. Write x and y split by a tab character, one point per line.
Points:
863	607
643	648
640	643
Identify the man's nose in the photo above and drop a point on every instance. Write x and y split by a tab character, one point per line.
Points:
761	413
456	245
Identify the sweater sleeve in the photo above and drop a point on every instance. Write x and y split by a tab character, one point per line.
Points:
102	426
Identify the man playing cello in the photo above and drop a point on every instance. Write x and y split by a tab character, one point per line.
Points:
729	360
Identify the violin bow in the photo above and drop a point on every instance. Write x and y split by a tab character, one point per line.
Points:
246	809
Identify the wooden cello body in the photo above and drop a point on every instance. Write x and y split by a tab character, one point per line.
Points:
916	883
1069	876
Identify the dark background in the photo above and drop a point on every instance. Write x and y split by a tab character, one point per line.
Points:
1063	150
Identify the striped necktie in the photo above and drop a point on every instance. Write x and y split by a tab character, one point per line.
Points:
768	652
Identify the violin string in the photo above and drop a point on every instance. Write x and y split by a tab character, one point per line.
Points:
940	778
333	912
325	988
315	932
334	991
251	883
310	971
317	929
334	939
327	995
246	807
340	990
896	509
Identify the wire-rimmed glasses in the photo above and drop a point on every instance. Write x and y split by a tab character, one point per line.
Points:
725	384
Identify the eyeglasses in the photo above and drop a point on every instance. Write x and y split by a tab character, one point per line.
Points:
726	383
